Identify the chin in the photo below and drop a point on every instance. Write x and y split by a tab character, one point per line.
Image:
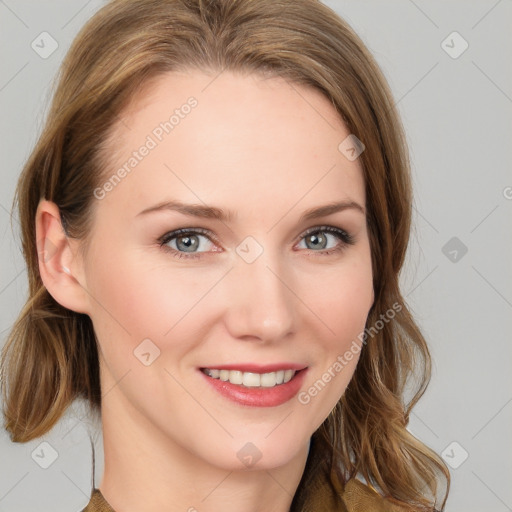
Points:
259	454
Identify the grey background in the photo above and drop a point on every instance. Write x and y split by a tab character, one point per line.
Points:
457	114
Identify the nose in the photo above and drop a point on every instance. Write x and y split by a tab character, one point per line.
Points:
260	302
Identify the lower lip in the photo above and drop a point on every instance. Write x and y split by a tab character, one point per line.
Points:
258	396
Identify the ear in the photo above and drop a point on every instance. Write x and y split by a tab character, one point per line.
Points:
60	267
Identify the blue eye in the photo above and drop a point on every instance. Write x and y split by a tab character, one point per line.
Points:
187	242
317	238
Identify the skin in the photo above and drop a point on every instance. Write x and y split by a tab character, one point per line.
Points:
268	151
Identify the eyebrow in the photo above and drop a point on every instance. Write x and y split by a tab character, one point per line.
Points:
212	212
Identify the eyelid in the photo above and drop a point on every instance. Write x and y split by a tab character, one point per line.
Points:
185	231
349	239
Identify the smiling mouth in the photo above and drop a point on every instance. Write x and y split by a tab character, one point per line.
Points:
251	379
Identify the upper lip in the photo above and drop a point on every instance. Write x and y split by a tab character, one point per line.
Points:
257	368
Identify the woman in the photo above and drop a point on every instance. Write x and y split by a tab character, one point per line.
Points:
214	221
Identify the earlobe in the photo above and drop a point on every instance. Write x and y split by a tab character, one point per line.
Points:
59	269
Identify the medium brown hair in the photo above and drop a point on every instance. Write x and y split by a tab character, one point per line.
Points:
51	358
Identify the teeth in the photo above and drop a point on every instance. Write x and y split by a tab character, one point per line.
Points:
251	380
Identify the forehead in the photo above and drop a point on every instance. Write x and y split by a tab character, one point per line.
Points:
232	136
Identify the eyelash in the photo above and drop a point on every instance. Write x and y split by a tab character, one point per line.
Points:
345	238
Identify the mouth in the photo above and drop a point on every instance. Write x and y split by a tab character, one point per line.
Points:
252	379
254	385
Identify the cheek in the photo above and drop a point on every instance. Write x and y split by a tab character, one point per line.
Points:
342	303
342	307
133	300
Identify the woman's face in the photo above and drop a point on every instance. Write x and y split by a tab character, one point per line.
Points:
249	288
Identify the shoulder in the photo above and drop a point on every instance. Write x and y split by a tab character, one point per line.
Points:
97	503
360	496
